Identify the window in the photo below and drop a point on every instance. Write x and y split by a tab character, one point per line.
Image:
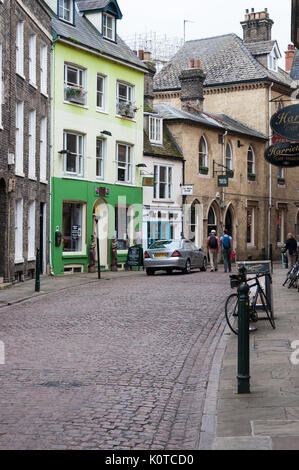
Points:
74	84
281	175
43	150
228	157
125	100
32	143
19	231
122	222
212	221
250	226
163	182
100	158
20	48
250	162
44	69
73	162
203	154
65	10
124	163
19	138
108	27
100	92
73	227
280	219
1	86
32	59
31	230
156	130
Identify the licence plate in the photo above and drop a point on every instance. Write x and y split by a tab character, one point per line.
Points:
161	255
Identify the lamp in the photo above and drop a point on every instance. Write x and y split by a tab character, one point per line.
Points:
141	165
106	133
64	152
239	144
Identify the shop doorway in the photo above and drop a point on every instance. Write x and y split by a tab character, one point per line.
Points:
3	227
101	209
229	222
212	221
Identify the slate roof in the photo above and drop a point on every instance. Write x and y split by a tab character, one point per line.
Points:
295	66
225	59
260	48
92	4
218	121
168	149
84	33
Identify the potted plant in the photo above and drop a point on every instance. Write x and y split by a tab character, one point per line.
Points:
204	170
251	176
280	180
230	173
76	94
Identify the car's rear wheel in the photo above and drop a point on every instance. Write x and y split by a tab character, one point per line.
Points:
187	268
150	271
204	266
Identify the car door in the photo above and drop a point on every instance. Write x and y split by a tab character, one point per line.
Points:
197	256
189	253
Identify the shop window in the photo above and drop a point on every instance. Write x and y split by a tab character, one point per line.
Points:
122	227
73	222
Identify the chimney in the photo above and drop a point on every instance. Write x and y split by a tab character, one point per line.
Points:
192	81
289	57
257	26
140	54
149	79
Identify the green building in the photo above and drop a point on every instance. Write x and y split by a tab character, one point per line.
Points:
97	135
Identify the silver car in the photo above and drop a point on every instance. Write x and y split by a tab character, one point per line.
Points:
169	255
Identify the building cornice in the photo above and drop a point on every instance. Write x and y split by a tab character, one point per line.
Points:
34	19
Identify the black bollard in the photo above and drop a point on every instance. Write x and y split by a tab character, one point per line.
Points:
37	271
243	335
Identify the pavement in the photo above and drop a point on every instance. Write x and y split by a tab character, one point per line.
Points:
268	417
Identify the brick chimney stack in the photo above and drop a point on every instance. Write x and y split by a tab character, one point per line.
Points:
149	79
289	57
257	26
192	81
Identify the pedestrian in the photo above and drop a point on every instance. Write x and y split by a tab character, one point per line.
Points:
226	244
213	246
291	248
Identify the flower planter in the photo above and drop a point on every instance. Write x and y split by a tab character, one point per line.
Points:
251	177
230	173
281	180
75	95
203	170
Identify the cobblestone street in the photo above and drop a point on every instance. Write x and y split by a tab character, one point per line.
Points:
118	364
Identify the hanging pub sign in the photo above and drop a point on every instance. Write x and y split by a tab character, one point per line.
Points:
148	181
284	154
285	122
222	181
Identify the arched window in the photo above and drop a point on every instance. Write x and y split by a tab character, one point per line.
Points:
212	221
228	157
203	154
250	162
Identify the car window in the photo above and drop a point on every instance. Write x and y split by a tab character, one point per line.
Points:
188	246
194	247
168	244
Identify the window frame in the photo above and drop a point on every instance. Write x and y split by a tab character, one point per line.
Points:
100	158
32	144
79	156
80	77
106	28
203	155
19	139
43	149
101	93
126	101
167	184
230	159
83	226
31	230
250	211
62	8
1	86
156	130
250	162
128	163
32	59
19	229
44	69
20	48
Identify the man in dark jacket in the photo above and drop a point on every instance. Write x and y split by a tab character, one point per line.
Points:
291	247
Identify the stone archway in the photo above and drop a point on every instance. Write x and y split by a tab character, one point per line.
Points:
213	218
230	221
3	228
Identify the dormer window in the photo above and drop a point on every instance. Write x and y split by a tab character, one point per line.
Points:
108	27
65	10
155	130
273	59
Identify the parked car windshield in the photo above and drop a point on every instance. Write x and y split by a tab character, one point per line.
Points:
168	245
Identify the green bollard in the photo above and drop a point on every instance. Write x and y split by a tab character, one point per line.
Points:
37	271
243	336
263	253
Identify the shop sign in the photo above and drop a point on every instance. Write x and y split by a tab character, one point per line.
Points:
285	122
148	181
222	181
187	190
284	154
135	256
76	232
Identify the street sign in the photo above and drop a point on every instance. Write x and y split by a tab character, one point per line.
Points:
222	181
187	189
285	122
283	154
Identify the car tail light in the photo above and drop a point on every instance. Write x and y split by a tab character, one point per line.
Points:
176	254
146	255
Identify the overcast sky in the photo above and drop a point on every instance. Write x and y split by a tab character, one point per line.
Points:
211	18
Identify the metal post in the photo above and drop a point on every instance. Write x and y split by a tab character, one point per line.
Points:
98	248
37	271
243	336
271	256
263	253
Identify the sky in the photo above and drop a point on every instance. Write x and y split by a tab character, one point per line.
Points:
210	18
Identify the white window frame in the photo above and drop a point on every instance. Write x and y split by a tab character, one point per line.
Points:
44	69
204	155
1	87
101	94
281	172
250	162
19	148
127	165
80	80
82	234
79	155
156	130
32	59
19	231
230	159
168	183
32	145
124	100
31	230
100	158
20	48
43	150
63	9
109	32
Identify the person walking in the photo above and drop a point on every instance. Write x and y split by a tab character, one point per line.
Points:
213	246
226	244
291	247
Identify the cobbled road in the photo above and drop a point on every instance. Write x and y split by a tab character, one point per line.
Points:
118	364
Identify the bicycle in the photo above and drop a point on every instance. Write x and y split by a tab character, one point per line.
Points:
292	275
231	304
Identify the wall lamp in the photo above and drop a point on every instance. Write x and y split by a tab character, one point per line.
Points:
106	133
239	144
64	152
141	165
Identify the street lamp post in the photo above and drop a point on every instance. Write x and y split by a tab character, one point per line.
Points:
97	217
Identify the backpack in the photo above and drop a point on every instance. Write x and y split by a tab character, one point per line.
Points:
226	242
213	242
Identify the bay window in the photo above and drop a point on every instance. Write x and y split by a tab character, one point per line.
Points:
73	160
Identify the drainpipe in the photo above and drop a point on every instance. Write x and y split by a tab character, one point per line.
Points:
270	172
183	198
223	163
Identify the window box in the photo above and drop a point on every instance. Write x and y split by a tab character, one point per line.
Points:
204	170
251	177
230	173
281	180
126	109
75	95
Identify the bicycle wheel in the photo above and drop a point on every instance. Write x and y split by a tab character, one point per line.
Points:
292	280
231	312
288	277
267	309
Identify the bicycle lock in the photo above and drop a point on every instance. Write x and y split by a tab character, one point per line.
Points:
243	334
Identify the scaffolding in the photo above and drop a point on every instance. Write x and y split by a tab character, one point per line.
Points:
161	47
